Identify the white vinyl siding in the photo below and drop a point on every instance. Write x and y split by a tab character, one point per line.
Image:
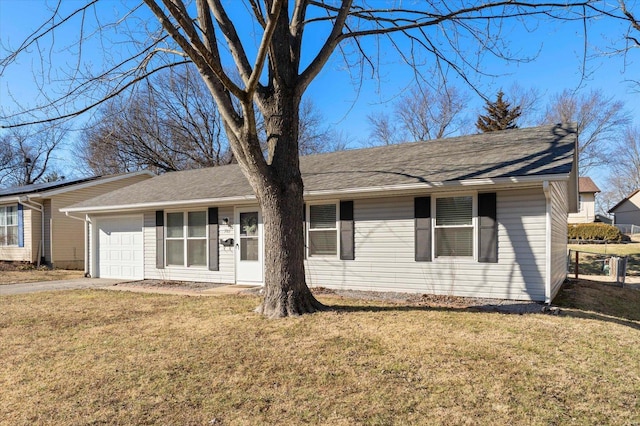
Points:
558	244
586	209
226	273
384	241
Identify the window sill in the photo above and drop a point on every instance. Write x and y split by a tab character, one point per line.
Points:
186	268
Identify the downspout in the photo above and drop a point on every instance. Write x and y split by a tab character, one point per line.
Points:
546	188
25	201
86	221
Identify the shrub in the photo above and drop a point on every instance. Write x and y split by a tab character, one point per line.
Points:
594	231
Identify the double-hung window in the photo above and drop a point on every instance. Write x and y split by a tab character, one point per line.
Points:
454	227
186	238
323	230
9	225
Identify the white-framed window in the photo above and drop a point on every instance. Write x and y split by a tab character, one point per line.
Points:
9	225
454	230
186	238
323	229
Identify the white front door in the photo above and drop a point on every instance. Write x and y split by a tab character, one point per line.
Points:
248	246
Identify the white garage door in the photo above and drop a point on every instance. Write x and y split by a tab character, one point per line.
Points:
119	248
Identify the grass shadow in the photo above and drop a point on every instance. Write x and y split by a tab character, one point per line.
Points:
598	300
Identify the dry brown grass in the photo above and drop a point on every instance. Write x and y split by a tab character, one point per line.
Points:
97	357
16	276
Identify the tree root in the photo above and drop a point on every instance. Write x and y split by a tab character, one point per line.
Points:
290	305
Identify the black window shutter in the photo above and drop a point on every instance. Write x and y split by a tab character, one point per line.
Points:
347	234
422	215
488	228
304	228
160	239
212	221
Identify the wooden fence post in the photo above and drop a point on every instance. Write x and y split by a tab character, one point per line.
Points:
577	260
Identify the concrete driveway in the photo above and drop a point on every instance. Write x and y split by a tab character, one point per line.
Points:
74	284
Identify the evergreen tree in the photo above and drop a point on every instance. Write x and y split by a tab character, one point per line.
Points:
500	116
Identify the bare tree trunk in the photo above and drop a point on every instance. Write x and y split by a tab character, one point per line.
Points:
280	194
286	292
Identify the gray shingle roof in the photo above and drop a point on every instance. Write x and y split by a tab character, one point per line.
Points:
546	150
46	186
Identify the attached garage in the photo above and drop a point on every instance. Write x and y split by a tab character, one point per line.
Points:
119	248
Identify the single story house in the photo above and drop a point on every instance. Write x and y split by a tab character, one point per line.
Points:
482	215
627	211
587	191
32	228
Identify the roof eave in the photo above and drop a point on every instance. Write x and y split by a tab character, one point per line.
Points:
160	205
468	184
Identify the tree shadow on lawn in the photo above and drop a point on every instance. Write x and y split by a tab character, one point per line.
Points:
599	300
579	299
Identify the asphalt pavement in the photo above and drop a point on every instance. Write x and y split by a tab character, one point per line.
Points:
73	284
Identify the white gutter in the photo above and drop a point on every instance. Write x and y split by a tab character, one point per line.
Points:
26	201
176	203
351	192
86	221
546	188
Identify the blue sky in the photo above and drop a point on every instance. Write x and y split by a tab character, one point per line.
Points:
557	47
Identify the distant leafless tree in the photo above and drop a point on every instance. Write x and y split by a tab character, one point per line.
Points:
171	124
600	120
421	114
27	153
528	100
624	171
168	124
314	135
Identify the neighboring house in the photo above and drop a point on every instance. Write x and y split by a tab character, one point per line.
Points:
32	229
603	219
587	191
627	211
482	215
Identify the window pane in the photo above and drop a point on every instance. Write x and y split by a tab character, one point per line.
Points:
454	211
196	253
3	236
249	223
12	215
3	216
323	216
12	235
197	224
323	243
175	252
174	225
454	241
248	248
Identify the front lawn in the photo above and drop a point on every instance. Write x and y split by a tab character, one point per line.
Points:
10	274
99	357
